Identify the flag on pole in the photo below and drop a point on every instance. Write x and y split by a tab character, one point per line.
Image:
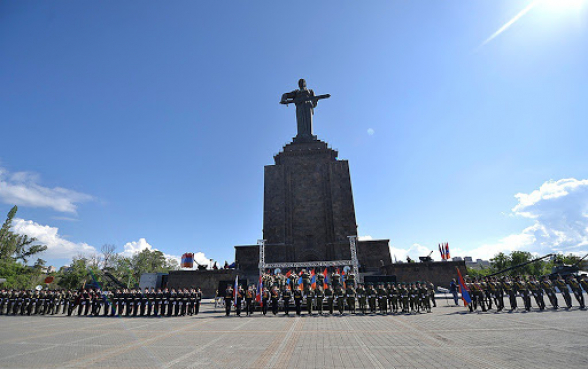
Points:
300	283
236	290
465	295
313	281
447	250
259	291
442	252
326	280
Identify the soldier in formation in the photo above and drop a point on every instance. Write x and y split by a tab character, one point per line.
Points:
95	302
491	291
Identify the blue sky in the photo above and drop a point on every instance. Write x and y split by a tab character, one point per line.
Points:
147	123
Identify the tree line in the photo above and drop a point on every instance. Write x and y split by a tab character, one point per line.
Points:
17	251
502	261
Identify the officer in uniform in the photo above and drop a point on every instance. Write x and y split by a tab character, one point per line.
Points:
275	297
431	289
320	297
329	297
547	287
340	296
565	292
508	287
309	300
3	299
298	300
198	300
425	297
577	290
250	300
523	290
584	283
537	292
158	301
382	299
351	296
265	297
361	297
228	299
372	296
166	303
287	296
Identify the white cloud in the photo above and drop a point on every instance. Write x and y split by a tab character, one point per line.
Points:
371	131
365	238
130	248
57	246
559	210
22	188
413	251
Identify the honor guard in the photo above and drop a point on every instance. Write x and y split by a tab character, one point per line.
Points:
287	296
329	295
228	299
361	297
298	301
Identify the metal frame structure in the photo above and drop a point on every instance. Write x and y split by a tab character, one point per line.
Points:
354	262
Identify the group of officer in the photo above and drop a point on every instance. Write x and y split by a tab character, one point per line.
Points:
326	298
488	290
94	302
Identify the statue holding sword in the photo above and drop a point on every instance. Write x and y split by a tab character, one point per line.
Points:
305	102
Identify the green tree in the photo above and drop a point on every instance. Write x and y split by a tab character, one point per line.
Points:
15	252
15	246
500	262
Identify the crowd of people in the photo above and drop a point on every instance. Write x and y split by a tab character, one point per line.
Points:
489	292
94	302
314	294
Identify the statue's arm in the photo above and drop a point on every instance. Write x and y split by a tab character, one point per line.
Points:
288	97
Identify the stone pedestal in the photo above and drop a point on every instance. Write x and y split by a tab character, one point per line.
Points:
308	205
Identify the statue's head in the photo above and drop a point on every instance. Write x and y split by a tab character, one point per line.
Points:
302	83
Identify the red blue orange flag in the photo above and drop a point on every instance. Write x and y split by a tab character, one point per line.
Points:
465	295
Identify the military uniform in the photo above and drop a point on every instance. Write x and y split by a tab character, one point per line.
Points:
547	287
565	292
298	301
265	296
249	300
340	296
350	293
228	300
361	297
287	296
372	296
577	290
320	299
309	301
275	297
329	297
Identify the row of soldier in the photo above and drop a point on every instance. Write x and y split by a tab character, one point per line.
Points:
327	297
94	302
486	291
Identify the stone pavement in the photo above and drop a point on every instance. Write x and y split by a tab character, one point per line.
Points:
448	337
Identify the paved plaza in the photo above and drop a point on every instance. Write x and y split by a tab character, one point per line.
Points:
446	338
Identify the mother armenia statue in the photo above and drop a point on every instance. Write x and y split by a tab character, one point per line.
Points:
305	101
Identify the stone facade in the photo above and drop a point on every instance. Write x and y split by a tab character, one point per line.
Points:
439	273
206	280
308	205
308	212
372	255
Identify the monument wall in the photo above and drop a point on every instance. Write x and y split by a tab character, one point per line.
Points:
439	273
206	280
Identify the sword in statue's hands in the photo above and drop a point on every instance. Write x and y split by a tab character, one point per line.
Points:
288	100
